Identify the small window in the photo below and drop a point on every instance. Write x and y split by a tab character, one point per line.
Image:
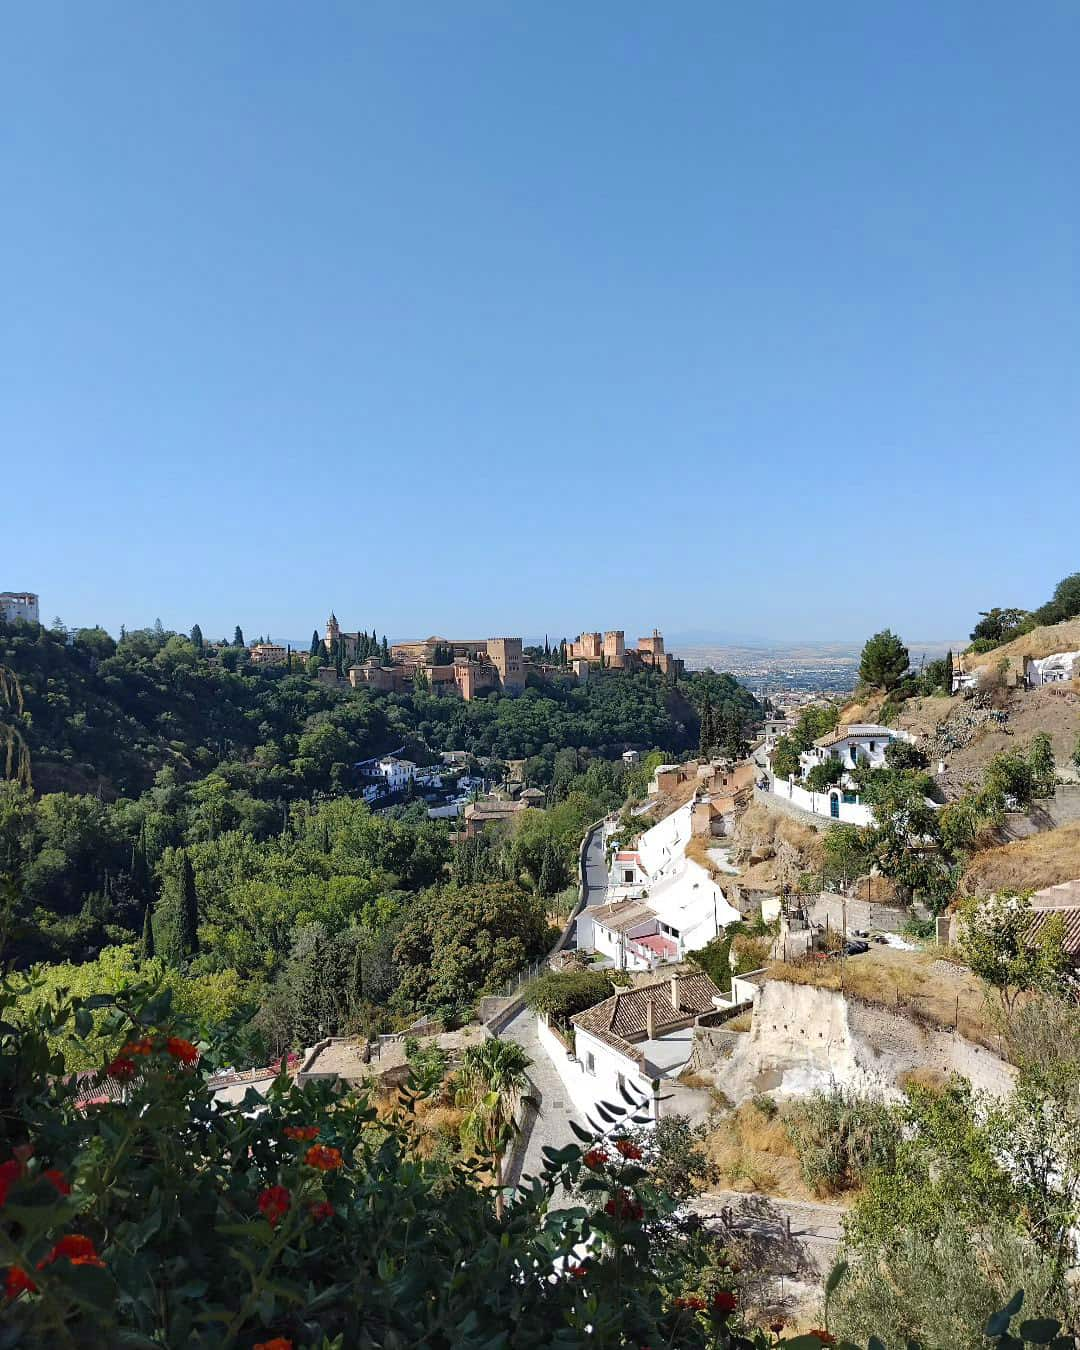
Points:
590	1062
871	747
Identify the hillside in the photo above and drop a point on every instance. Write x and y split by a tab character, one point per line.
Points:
1042	641
1026	864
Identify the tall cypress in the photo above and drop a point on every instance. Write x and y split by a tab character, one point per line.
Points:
316	643
146	951
948	671
188	907
238	637
196	637
707	734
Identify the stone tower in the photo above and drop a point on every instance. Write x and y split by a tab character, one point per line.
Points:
333	632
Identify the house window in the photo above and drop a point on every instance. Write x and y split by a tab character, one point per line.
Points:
590	1062
871	747
628	876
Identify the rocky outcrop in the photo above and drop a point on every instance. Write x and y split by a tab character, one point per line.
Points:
806	1039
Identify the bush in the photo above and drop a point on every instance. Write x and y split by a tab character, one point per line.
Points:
839	1139
559	995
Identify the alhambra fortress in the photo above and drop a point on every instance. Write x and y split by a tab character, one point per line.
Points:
471	666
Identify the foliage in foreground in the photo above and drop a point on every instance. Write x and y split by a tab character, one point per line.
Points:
169	1218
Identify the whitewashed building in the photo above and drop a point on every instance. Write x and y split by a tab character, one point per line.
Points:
637	1041
860	743
1057	669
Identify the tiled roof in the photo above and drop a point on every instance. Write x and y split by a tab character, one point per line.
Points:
621	914
1070	919
622	1019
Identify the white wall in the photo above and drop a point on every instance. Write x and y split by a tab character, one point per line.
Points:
851	813
586	1090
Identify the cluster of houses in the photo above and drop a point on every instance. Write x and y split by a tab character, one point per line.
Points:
1058	668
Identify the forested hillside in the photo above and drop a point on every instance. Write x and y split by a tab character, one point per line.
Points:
189	810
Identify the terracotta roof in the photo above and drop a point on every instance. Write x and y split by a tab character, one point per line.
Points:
623	1018
1070	919
621	914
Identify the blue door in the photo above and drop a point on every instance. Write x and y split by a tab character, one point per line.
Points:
834	805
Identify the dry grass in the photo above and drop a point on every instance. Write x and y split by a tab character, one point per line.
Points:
753	1153
743	1022
920	984
1044	641
869	710
1027	864
760	833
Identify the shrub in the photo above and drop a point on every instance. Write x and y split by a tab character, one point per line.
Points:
561	994
839	1139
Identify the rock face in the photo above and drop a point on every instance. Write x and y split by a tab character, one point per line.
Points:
805	1039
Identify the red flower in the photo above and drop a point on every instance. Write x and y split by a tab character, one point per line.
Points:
278	1343
627	1149
596	1157
724	1301
825	1337
693	1301
322	1156
578	1272
301	1132
122	1069
77	1249
23	1152
17	1282
140	1047
182	1050
322	1210
10	1172
621	1207
776	1327
58	1180
274	1204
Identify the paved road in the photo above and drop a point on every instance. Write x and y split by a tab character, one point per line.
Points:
549	1125
596	877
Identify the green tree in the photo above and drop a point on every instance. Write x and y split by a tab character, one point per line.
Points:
177	914
493	1082
884	660
316	643
997	943
146	949
1041	763
785	758
1064	604
238	637
196	637
997	626
823	776
707	735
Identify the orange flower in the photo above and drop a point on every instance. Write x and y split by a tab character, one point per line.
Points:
278	1343
10	1172
58	1180
596	1157
77	1249
299	1132
182	1050
17	1282
322	1210
627	1149
825	1337
620	1206
724	1301
140	1047
323	1157
122	1069
697	1304
274	1204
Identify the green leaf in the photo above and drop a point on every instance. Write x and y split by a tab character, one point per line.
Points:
1039	1330
835	1276
804	1342
582	1134
874	1344
91	1286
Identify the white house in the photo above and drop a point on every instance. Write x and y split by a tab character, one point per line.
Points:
859	743
631	757
1056	669
397	773
638	1040
775	727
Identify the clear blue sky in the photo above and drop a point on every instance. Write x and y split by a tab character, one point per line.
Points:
512	317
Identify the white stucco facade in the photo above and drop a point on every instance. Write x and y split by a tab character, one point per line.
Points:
831	804
860	743
1056	669
594	1073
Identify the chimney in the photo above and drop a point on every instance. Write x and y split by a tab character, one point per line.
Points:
675	993
650	1018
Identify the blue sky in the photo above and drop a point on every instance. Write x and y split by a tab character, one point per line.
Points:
513	317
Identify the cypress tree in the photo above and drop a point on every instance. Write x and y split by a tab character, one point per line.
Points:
197	637
238	637
385	651
188	908
146	951
948	671
708	731
316	642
